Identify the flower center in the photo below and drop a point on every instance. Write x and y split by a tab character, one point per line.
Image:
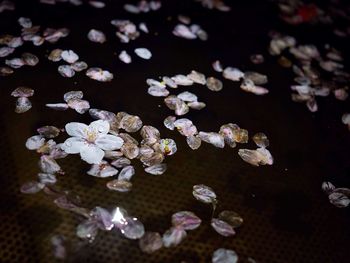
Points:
91	136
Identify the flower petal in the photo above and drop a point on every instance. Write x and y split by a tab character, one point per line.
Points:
73	145
109	142
91	154
76	129
99	126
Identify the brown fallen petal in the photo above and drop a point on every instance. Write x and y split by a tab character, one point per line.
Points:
232	218
22	92
150	242
222	227
257	59
80	106
30	59
197	77
214	84
49	131
119	185
23	104
257	78
261	140
130	150
153	159
55	55
5	71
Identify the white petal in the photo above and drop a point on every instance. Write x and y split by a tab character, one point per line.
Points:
91	154
73	145
35	142
76	129
99	126
109	142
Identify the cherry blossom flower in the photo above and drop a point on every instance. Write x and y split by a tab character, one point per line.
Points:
90	141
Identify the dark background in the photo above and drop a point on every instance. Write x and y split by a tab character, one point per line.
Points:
287	216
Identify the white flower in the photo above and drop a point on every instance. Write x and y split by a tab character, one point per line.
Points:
90	141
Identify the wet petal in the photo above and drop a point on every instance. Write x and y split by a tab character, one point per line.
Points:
143	53
223	255
57	106
32	187
232	218
125	57
76	129
194	142
157	169
126	173
35	142
213	138
69	56
133	228
109	142
222	227
119	185
214	84
233	74
174	236
186	219
204	194
91	154
168	146
151	242
99	74
66	71
96	36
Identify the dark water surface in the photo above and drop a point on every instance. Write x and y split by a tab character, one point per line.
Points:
287	216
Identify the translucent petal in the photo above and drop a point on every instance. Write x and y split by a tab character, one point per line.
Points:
186	219
174	236
204	194
223	255
222	227
150	242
